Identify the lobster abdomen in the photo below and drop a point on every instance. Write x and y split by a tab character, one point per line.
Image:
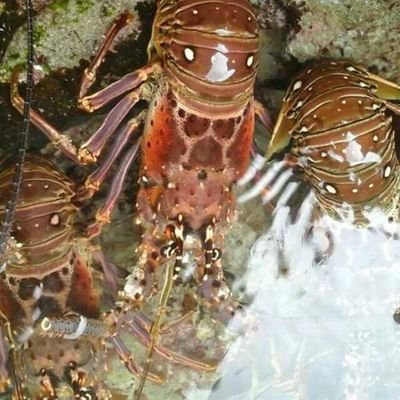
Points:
209	49
342	134
44	267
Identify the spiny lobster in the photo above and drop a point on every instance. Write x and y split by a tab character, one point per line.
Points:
336	126
196	143
47	290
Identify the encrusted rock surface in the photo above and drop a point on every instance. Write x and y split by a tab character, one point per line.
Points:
365	31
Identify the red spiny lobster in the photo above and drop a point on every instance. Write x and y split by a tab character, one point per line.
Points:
336	122
47	290
196	142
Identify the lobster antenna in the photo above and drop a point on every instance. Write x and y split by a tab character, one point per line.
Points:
22	148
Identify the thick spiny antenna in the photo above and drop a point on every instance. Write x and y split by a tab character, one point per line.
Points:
22	148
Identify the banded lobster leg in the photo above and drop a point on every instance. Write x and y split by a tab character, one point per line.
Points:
97	100
8	348
98	140
89	151
110	329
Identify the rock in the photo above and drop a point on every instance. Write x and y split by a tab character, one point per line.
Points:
365	31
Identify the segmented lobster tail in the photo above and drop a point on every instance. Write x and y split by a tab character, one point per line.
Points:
342	134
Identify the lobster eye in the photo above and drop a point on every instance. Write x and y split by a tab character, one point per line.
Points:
188	54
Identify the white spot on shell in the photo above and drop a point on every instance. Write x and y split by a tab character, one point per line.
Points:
363	84
344	101
387	171
46	186
195	12
375	138
354	155
250	61
330	189
297	85
55	220
371	185
298	104
323	154
353	177
350	69
219	71
189	54
335	156
355	190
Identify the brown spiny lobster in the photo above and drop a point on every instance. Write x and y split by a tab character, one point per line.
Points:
336	125
196	141
49	308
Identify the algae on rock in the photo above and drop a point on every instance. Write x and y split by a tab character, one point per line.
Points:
67	31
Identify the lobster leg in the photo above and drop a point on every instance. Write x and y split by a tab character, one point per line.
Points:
89	75
213	287
128	82
93	147
89	151
140	327
76	380
62	142
173	248
110	271
96	178
12	355
145	323
4	379
264	116
127	358
48	385
104	213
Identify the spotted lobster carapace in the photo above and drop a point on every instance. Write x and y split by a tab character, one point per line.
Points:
49	308
196	141
336	125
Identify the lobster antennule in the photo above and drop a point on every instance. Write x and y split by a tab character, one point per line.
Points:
23	146
10	208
